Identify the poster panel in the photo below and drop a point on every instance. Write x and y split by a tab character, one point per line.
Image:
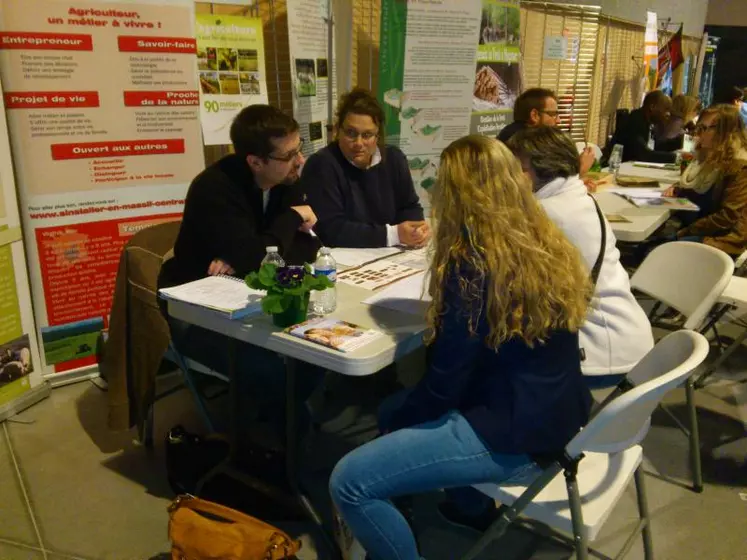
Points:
312	75
231	66
427	78
102	101
497	73
20	369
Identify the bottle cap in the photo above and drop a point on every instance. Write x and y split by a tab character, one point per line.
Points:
271	249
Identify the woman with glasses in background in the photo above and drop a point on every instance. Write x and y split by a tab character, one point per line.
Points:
361	189
717	181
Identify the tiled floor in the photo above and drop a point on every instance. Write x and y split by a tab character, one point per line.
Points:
71	489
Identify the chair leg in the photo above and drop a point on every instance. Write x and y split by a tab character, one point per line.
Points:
694	437
148	427
640	490
580	541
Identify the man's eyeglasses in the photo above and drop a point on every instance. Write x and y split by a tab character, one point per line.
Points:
352	134
290	156
700	129
553	114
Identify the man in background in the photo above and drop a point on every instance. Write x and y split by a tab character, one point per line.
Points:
637	134
539	107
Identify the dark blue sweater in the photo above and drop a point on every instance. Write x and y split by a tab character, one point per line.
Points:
518	399
353	205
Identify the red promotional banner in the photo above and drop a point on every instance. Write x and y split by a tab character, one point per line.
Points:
90	89
158	44
81	150
172	98
46	41
50	99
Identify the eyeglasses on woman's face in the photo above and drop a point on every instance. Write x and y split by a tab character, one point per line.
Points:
701	128
353	134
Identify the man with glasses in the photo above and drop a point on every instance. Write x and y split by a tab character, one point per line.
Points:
234	209
539	107
361	189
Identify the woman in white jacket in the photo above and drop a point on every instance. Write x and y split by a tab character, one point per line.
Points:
617	333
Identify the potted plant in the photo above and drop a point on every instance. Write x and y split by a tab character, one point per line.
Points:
288	289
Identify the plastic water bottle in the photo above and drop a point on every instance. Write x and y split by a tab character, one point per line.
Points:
325	301
273	257
616	159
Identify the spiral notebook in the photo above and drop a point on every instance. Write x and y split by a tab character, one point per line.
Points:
227	295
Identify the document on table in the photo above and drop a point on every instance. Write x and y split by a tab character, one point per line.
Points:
359	257
637	192
224	294
408	296
414	258
375	275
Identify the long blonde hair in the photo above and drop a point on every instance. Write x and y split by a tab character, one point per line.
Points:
486	219
730	139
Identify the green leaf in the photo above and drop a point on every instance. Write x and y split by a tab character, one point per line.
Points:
266	274
273	303
297	291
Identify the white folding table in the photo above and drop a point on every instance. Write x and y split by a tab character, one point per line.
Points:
643	221
402	335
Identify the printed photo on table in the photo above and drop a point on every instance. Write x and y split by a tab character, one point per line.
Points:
497	85
15	360
209	83
499	24
305	77
211	54
248	61
203	61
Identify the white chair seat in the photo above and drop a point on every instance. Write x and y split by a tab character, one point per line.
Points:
735	292
602	478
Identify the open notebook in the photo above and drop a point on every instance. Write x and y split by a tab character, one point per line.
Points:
224	294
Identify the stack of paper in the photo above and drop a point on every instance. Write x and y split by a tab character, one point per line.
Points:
359	257
224	294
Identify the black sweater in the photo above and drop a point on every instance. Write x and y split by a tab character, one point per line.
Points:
634	136
353	205
224	219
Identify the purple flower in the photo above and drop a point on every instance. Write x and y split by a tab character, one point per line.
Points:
290	276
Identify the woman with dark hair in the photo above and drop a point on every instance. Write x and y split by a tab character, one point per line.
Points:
360	188
717	181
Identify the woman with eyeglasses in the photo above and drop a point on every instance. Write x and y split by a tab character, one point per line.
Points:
503	390
717	181
361	189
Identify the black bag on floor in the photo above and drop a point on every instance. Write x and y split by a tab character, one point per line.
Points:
190	456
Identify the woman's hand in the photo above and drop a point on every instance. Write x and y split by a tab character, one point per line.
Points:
670	192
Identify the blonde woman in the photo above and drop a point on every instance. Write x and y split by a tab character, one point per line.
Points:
503	387
717	181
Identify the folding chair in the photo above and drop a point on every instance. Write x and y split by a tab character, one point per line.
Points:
600	461
689	278
188	368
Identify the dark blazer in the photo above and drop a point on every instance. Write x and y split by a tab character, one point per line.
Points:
224	219
518	399
354	205
634	136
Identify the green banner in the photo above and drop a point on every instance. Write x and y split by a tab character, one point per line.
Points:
392	64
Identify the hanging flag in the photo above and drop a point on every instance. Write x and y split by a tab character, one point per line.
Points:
674	46
650	51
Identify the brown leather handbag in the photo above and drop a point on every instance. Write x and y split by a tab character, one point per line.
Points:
202	530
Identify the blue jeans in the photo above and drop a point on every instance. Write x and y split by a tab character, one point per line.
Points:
442	454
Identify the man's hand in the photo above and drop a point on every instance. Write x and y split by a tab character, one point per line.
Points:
585	160
670	192
308	217
220	267
413	234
